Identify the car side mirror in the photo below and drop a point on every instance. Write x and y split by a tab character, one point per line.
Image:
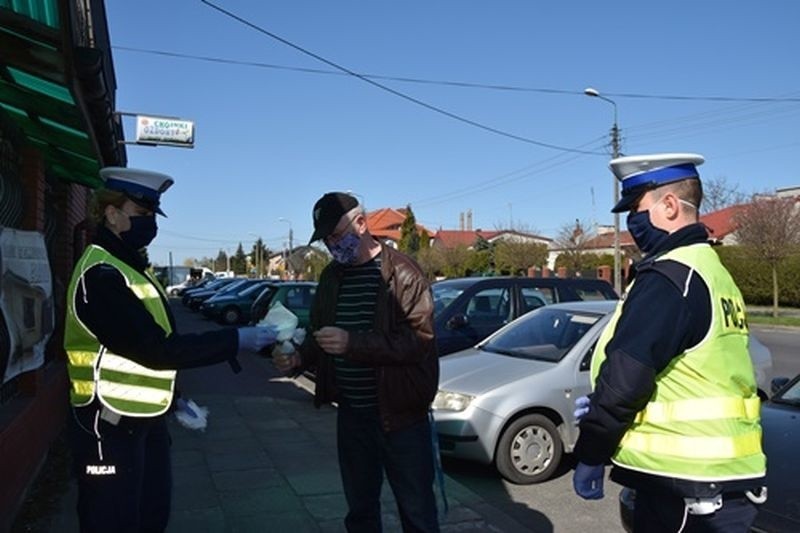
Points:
457	321
777	384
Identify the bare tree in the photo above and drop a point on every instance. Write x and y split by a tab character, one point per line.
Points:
769	230
573	239
719	194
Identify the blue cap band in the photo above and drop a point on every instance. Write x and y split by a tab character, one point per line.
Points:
134	189
660	176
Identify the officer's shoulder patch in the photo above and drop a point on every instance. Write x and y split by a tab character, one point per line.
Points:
677	273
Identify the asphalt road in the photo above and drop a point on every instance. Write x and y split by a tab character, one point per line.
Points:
784	343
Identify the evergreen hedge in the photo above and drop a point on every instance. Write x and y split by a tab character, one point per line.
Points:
754	277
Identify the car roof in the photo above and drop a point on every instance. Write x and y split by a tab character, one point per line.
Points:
458	283
590	306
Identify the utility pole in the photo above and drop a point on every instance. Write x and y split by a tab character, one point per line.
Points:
615	152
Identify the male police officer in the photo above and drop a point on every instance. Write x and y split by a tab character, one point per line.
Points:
674	404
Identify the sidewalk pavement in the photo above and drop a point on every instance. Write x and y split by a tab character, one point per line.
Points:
267	462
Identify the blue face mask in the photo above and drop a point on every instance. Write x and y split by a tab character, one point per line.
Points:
646	236
141	233
345	250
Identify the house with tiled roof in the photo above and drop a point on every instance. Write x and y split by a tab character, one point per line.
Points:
721	226
385	224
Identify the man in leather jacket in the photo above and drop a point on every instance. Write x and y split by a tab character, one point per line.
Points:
373	350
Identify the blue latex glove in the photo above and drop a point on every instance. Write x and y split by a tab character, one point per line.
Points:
582	405
588	481
254	338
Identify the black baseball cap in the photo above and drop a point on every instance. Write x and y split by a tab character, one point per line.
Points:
328	211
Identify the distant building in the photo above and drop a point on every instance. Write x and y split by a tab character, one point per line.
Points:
788	192
385	224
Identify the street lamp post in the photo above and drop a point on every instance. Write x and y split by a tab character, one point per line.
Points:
288	266
615	146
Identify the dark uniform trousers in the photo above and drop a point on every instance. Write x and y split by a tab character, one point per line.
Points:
663	512
127	489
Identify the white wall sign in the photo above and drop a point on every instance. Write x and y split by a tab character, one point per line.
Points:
164	130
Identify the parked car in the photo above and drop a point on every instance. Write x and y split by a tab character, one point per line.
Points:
196	298
467	310
781	426
192	285
781	439
233	307
296	296
510	399
213	285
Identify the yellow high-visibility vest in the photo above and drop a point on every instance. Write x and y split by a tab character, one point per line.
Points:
123	386
703	421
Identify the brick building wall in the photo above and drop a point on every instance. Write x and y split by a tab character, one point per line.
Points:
34	404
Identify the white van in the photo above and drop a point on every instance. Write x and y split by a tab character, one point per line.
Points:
177	278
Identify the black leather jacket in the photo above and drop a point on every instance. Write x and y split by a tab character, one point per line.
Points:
401	345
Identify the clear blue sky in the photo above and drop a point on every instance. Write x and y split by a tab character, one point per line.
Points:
270	141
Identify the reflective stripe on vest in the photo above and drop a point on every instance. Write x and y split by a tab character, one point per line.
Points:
125	387
703	420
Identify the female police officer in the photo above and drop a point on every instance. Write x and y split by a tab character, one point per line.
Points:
123	353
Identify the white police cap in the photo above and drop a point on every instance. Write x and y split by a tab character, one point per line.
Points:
142	186
641	173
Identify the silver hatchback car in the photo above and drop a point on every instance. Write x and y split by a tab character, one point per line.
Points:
510	399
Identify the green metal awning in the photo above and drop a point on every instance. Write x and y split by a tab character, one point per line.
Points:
40	91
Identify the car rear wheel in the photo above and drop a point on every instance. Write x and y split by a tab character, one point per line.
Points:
231	315
529	450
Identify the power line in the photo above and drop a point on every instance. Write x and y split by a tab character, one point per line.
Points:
393	91
464	84
693	126
533	169
218	241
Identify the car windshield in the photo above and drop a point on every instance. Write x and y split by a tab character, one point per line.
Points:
257	287
234	286
545	334
445	292
790	395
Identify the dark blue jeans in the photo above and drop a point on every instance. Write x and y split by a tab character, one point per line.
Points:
366	452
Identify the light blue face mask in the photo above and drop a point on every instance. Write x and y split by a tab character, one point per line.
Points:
345	250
